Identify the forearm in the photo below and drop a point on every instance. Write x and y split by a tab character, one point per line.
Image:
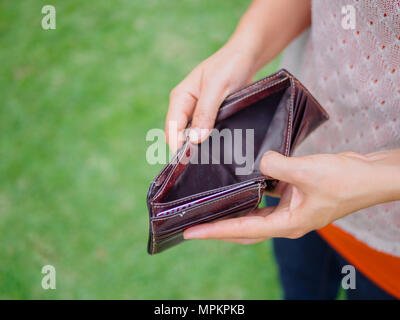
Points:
368	180
386	174
268	26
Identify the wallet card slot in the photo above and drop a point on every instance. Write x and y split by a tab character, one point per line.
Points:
161	242
194	203
205	211
229	193
230	212
164	205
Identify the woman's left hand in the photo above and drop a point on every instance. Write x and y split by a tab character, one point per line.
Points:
315	191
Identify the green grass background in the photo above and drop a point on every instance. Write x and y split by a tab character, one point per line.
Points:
75	106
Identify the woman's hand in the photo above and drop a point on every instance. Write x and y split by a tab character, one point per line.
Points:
315	191
201	93
262	33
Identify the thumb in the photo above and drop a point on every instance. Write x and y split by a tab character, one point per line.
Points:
280	167
205	113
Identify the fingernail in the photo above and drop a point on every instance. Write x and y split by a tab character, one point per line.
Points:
194	135
197	135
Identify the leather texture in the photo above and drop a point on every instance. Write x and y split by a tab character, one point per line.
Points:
282	113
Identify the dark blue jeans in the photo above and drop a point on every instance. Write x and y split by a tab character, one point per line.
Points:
309	268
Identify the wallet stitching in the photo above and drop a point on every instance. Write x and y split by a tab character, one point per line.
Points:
173	167
259	195
159	242
169	165
154	219
309	95
161	205
253	93
182	200
243	204
202	205
271	77
162	241
177	158
289	128
153	250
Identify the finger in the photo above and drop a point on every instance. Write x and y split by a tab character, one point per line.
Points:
262	212
205	112
280	167
181	107
253	227
243	241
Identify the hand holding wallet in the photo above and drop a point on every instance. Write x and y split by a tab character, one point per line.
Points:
280	112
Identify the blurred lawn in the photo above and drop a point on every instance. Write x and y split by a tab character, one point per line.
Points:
75	106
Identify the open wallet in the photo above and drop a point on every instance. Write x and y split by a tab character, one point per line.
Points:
211	181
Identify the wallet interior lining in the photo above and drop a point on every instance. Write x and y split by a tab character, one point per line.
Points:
200	177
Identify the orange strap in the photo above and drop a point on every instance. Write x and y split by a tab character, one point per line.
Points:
381	268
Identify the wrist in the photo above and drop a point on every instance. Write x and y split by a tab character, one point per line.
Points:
371	179
386	173
246	48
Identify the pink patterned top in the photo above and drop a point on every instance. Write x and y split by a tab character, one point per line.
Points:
355	75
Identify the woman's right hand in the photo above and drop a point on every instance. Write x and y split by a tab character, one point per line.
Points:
200	94
262	33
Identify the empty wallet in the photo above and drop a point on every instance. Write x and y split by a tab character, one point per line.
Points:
199	185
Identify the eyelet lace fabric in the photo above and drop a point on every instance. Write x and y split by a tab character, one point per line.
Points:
355	75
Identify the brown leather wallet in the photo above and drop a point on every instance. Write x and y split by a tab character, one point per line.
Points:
281	112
